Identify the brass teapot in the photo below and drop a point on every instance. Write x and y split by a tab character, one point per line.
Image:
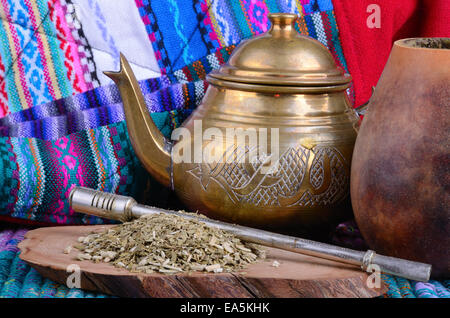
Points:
283	88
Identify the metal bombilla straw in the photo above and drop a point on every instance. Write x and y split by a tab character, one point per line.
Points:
123	208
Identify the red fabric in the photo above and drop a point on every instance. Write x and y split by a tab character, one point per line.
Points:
8	219
366	50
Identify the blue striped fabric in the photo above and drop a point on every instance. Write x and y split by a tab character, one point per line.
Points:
98	107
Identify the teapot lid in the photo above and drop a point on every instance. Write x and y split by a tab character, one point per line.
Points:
281	57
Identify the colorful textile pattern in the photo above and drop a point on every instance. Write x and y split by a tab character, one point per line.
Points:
39	56
40	173
45	53
18	279
101	106
404	288
80	140
201	33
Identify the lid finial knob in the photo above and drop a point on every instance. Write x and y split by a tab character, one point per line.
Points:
282	22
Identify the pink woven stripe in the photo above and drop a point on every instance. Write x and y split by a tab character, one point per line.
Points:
79	74
18	50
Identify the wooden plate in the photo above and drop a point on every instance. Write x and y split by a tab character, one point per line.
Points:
297	275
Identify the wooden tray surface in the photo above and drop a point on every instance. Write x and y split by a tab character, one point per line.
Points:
297	275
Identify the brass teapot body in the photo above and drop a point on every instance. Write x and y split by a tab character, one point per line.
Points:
286	90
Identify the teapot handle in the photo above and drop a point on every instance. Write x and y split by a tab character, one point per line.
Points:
362	109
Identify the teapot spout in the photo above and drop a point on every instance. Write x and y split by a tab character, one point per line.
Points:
150	146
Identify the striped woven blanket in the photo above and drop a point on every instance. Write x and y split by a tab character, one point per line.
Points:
62	122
